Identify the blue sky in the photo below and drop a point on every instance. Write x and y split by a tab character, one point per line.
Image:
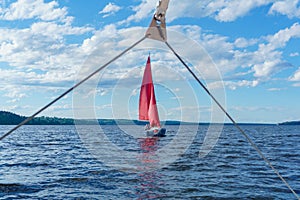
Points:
245	51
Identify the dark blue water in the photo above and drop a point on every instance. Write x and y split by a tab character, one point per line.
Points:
52	162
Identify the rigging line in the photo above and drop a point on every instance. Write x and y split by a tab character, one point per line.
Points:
235	124
72	88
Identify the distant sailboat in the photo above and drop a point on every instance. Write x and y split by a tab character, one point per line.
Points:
147	105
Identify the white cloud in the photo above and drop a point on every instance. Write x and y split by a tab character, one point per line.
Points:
290	8
42	46
256	109
110	9
296	84
263	63
268	58
266	68
243	42
38	55
12	92
15	94
230	57
281	38
234	85
296	76
230	10
28	9
90	44
294	54
220	10
276	89
57	31
142	11
224	53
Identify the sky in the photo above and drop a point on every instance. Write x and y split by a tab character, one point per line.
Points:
245	51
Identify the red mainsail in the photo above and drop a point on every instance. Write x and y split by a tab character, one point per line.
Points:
147	105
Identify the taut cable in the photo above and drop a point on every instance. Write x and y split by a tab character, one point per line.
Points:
72	88
233	121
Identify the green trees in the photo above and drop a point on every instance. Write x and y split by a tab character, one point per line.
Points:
8	118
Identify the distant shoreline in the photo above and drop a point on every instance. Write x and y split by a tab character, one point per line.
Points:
9	118
290	123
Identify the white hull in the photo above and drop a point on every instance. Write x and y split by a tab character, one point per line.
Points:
157	132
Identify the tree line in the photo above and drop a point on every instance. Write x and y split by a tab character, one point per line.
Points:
9	118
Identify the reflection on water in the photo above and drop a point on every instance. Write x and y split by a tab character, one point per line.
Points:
148	156
149	179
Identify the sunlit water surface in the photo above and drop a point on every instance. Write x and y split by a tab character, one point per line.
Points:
52	162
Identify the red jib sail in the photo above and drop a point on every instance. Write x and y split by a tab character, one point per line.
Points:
147	105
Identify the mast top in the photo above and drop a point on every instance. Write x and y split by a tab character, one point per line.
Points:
157	28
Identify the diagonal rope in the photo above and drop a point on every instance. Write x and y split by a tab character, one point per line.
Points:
234	122
72	88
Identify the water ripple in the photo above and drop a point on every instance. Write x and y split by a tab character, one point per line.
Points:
51	162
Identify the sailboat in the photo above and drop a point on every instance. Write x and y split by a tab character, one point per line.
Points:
147	105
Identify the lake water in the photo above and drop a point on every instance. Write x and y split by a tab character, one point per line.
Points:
54	162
